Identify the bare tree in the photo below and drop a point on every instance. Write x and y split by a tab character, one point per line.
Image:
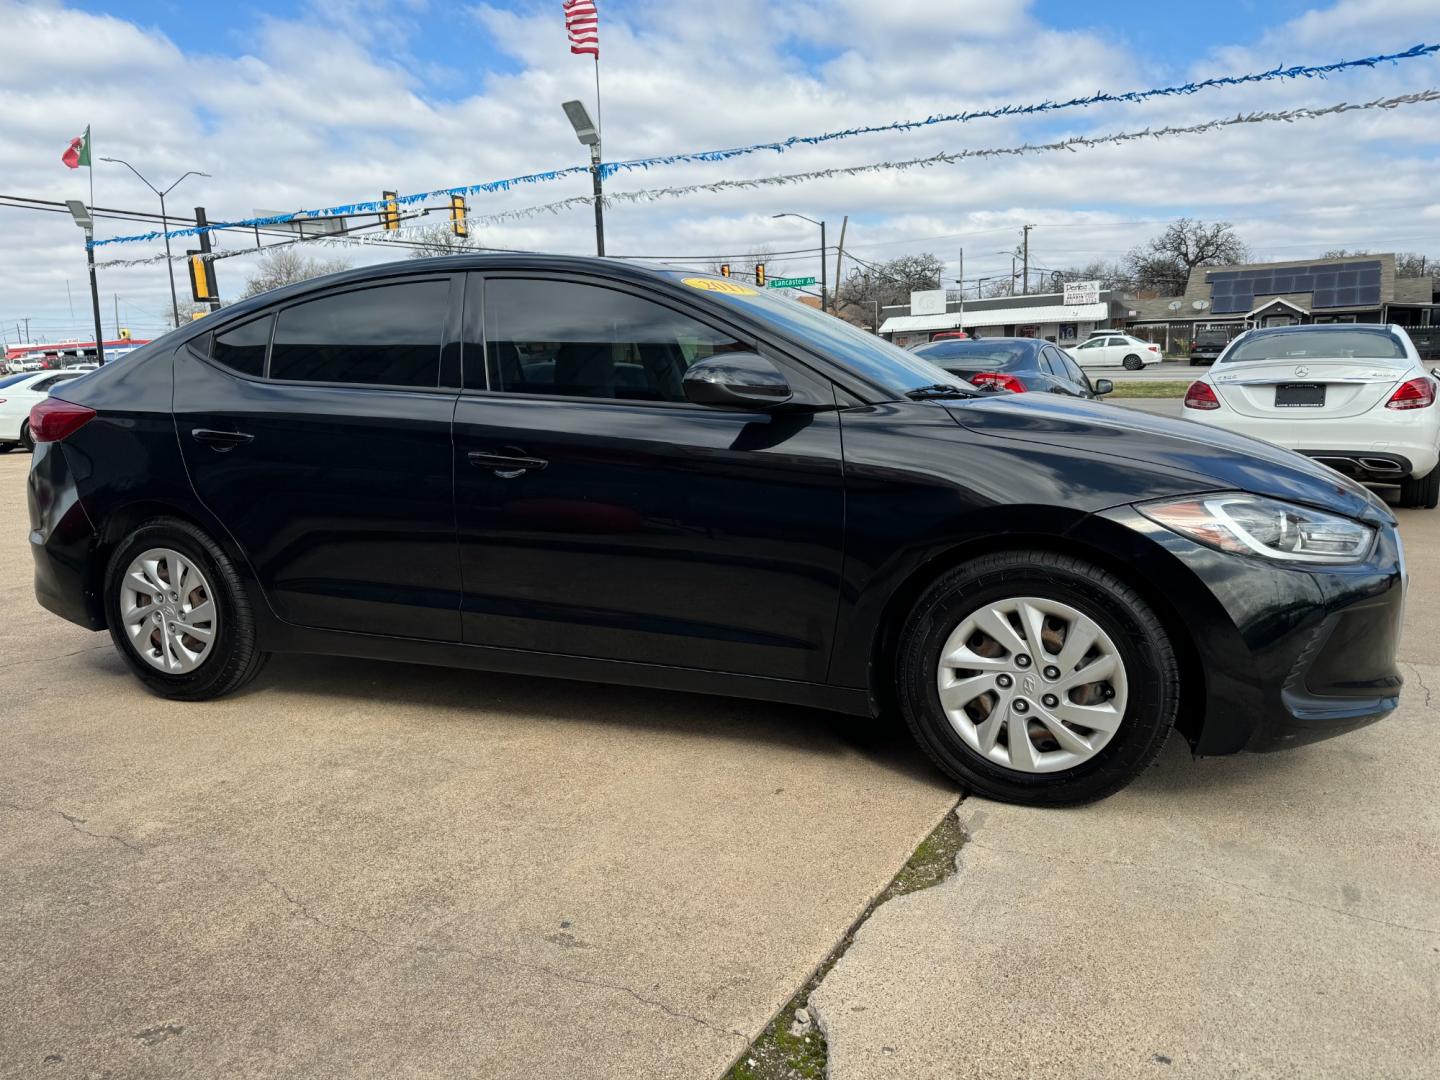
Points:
1110	275
890	282
286	264
440	240
1164	262
744	267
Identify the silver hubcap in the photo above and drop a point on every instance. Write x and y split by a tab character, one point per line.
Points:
1032	684
168	611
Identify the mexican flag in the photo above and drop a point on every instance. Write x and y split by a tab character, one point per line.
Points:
79	152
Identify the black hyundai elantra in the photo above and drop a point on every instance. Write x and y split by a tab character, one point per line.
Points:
584	469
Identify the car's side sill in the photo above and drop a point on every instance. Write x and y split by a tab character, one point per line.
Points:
558	666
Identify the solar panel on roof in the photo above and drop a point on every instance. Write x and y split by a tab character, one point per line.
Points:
1331	285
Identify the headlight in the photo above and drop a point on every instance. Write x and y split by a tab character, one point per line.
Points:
1251	525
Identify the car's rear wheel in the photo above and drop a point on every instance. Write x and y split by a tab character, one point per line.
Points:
1036	677
178	613
25	438
1422	494
1133	363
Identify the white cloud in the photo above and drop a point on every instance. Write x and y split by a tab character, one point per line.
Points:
332	106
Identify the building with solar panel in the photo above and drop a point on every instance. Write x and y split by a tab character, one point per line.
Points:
1357	288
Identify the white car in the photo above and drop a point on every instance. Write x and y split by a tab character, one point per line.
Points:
1352	395
1116	350
20	393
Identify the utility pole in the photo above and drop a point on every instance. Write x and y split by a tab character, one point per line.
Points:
116	298
962	288
840	250
823	249
1025	236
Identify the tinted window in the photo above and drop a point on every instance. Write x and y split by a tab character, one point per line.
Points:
45	384
385	336
870	357
1094	343
1303	344
242	348
557	337
1071	368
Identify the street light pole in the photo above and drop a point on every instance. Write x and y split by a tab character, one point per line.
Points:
164	224
824	306
589	135
82	218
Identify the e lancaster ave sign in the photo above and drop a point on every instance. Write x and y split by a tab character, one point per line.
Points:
790	282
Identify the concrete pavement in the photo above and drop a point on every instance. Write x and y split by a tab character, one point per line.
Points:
358	869
1262	916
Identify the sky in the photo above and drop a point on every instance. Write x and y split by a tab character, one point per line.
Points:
315	104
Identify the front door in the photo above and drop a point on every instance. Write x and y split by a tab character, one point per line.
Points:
602	515
327	455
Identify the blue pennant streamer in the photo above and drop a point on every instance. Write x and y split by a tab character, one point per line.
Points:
609	169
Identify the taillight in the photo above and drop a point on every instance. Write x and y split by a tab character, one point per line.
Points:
996	380
54	419
1415	394
1153	348
1201	396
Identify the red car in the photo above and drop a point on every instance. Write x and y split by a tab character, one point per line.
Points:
951	335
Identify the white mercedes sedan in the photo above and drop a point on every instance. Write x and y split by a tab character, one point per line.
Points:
18	395
1355	396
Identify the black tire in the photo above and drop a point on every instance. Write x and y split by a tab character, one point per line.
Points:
1422	494
1151	670
1132	363
234	658
1194	363
25	440
6	447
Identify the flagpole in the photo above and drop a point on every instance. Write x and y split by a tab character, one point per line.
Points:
599	113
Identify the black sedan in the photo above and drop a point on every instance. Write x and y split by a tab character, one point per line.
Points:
585	469
1016	364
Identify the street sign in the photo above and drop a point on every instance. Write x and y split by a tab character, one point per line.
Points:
790	282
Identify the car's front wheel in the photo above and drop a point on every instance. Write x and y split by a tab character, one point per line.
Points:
178	613
1422	494
1133	363
1036	677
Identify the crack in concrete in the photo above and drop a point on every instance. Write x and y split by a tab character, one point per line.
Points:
459	950
1163	869
1421	680
75	823
47	659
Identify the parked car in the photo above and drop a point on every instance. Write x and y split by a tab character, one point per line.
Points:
1356	397
950	335
1116	350
586	469
18	395
1016	364
1208	345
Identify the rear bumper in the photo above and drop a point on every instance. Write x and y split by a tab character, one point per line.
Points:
1410	439
62	540
1287	656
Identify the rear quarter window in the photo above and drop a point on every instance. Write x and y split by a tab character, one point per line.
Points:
242	348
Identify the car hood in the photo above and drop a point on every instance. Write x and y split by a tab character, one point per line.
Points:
1202	458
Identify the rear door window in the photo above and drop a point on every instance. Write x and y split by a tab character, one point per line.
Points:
242	348
389	335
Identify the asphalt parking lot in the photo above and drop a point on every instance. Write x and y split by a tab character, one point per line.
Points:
355	869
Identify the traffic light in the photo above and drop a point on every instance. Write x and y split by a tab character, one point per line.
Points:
124	333
760	274
458	225
390	216
724	269
202	278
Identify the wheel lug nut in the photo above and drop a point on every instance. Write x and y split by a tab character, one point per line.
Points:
1050	701
1051	671
1022	660
1004	682
1021	706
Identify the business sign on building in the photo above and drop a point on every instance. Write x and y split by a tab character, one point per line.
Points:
1081	292
928	302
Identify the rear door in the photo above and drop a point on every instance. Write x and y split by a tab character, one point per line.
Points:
320	436
602	515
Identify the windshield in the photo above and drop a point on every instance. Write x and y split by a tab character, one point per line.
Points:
871	357
976	355
1360	343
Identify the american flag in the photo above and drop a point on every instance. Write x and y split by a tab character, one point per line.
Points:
582	23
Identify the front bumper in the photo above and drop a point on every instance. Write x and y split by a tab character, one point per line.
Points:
1287	655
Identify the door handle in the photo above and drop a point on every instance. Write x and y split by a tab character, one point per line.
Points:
506	466
221	440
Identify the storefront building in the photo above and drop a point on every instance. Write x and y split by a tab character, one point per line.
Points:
1039	315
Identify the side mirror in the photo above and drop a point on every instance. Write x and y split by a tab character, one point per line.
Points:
1103	387
743	380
